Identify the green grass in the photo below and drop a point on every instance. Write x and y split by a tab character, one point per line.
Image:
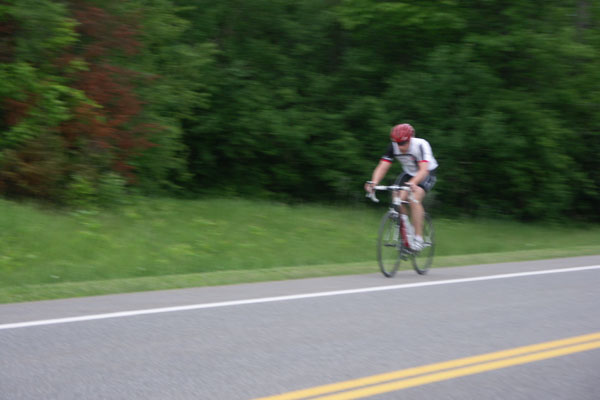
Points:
166	243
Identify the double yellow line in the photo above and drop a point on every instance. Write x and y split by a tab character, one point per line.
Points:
392	381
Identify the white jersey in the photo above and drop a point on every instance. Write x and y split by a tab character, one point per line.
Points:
419	151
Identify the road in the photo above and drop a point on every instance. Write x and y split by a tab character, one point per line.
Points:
264	339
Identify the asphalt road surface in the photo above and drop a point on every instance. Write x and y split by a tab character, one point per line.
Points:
528	330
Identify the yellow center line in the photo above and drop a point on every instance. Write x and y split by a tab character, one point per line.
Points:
455	373
455	365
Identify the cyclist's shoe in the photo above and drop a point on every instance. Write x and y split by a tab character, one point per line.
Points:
418	244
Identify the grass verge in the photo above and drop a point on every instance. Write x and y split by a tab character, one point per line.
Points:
165	243
215	278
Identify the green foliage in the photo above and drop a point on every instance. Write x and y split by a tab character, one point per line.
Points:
294	100
81	192
35	99
105	191
45	29
34	169
178	67
38	103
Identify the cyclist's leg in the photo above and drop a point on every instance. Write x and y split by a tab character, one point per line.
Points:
418	212
401	180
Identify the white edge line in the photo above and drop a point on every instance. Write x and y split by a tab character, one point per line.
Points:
132	313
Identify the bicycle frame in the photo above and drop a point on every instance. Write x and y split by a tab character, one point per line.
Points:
396	202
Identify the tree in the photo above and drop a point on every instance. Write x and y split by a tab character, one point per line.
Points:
86	77
35	98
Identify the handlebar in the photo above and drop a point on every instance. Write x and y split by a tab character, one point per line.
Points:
391	188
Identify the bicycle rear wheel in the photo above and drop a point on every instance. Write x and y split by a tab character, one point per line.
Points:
423	259
389	245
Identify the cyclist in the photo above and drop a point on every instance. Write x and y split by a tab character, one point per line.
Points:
418	166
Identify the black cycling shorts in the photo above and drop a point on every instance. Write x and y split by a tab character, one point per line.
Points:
426	184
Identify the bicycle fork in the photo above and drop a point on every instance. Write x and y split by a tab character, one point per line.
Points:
403	234
402	228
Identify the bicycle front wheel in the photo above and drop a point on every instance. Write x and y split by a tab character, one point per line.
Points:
389	245
422	260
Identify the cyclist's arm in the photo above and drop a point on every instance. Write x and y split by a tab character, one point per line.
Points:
380	171
382	168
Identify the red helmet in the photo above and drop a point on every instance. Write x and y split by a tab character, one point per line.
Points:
402	133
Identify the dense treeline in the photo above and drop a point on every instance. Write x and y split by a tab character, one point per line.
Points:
295	99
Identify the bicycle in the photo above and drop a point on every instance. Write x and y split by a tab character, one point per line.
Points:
396	234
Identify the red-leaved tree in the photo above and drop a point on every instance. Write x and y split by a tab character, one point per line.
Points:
69	111
110	131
